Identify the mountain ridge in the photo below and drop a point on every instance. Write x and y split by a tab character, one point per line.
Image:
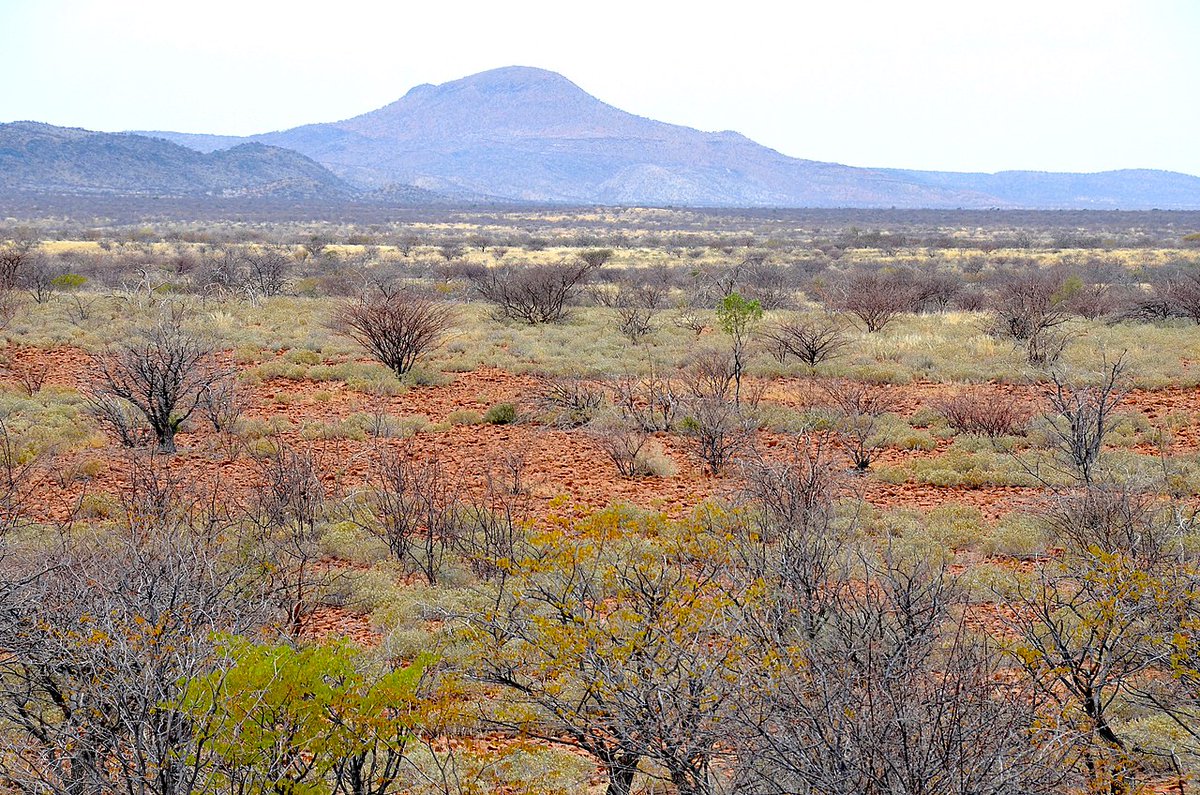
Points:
528	134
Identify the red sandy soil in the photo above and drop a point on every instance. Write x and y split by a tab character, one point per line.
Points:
556	463
565	468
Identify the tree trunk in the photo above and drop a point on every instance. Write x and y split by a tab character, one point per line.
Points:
620	775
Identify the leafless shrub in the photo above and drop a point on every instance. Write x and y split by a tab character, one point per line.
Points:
30	375
709	374
1028	308
1111	520
223	403
796	547
287	508
635	321
983	412
163	375
13	259
491	525
622	439
121	418
935	290
883	699
410	506
20	473
653	401
877	301
533	293
102	632
1178	288
568	402
1081	416
395	326
266	271
718	429
810	341
859	407
39	279
688	316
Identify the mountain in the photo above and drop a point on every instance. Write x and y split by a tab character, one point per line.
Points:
530	134
41	158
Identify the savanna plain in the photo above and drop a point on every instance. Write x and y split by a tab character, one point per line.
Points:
601	500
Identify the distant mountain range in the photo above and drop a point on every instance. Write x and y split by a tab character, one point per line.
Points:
41	158
527	134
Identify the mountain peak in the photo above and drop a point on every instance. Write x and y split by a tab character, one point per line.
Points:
531	134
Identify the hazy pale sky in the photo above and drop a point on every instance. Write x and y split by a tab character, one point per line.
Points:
1070	85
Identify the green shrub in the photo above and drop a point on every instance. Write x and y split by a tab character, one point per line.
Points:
501	414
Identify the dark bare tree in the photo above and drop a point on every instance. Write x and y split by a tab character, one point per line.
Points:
395	326
811	341
163	375
533	293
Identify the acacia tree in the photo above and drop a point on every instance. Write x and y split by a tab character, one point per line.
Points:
395	326
534	293
625	650
890	696
737	317
163	375
100	632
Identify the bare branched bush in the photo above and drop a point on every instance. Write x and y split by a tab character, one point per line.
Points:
1028	308
709	414
652	400
568	402
101	633
395	326
622	439
223	404
1178	289
266	271
796	546
983	412
410	506
533	293
287	508
1081	416
31	376
811	341
492	524
20	473
162	375
885	697
876	300
859	407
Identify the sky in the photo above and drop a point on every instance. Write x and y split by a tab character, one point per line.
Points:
972	85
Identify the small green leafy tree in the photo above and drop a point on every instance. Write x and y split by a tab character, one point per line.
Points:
737	317
281	719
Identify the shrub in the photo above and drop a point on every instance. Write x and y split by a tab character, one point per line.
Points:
164	377
860	407
533	293
810	341
983	412
395	326
501	414
874	299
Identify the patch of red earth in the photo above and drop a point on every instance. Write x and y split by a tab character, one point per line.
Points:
339	622
556	463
